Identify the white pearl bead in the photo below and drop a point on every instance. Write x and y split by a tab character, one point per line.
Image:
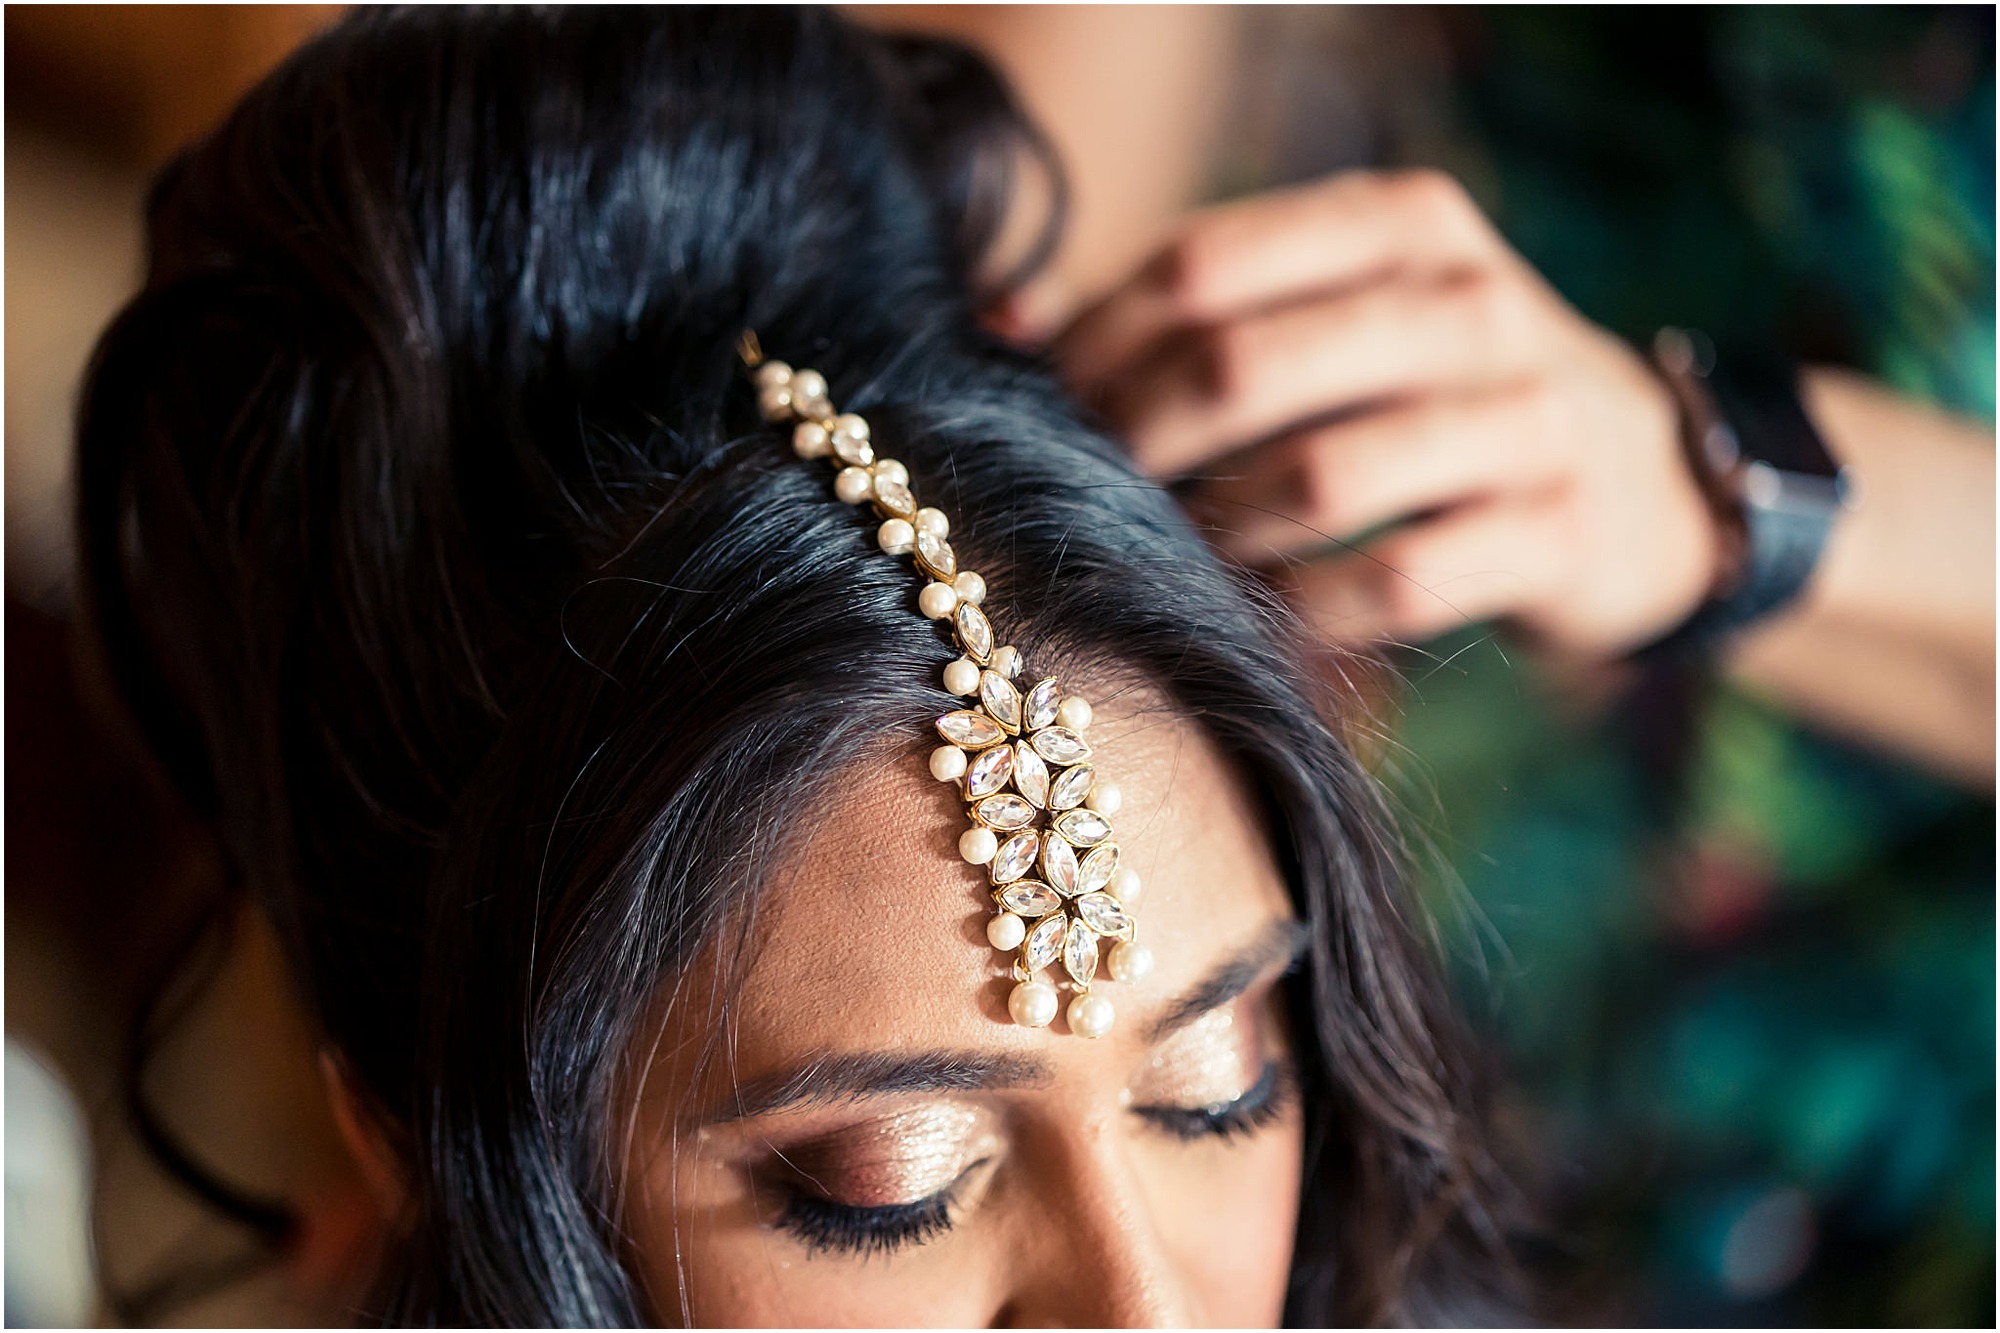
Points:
971	588
1033	1004
895	536
934	522
1124	885
1090	1015
962	676
978	845
888	469
1105	798
775	401
810	440
937	600
772	372
1006	931
850	425
1130	962
947	763
808	384
1074	713
853	484
1007	661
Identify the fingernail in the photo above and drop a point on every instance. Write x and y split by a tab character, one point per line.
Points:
1027	318
1004	320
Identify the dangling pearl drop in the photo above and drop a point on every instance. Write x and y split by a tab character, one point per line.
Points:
1033	1004
1090	1015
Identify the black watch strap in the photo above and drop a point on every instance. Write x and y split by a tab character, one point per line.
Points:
1782	548
1759	454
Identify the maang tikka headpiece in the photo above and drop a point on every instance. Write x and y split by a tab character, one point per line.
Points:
1041	815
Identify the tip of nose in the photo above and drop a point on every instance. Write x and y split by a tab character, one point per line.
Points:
1095	1300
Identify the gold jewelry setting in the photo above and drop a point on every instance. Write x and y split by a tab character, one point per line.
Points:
1040	813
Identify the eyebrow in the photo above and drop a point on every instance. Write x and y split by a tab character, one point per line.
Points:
1283	942
832	1080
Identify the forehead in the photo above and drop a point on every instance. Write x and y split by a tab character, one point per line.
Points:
873	937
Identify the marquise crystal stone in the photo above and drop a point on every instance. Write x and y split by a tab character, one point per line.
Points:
1044	942
852	451
1031	775
934	554
1043	700
1002	700
1029	897
1060	746
1015	857
1069	790
1059	866
895	497
1104	914
970	730
1080	954
975	631
1004	813
990	771
1097	868
1085	828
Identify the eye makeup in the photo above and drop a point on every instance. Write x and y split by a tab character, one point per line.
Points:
871	1187
875	1185
895	1160
1219	1076
1211	1061
1261	1104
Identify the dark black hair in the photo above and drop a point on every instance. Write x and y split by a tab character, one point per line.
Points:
437	547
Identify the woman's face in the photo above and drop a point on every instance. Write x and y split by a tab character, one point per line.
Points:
873	1141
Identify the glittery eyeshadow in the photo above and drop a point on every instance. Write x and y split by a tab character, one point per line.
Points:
899	1159
1210	1062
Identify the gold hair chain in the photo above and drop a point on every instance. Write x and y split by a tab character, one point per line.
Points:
1020	759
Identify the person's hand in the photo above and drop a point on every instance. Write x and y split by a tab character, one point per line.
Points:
1367	351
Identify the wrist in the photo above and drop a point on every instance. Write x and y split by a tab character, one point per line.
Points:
1713	510
1774	489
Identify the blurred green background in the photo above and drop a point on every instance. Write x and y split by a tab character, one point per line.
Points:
1744	974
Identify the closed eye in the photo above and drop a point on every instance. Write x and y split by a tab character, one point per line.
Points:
827	1225
1261	1104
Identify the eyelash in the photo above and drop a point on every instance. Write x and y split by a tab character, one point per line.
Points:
1261	1103
827	1226
830	1227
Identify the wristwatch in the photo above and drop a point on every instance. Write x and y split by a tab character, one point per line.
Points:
1764	470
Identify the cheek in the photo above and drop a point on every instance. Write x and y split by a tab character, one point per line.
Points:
1228	1214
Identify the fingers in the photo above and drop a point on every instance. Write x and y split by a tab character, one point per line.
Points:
1337	481
1476	563
1368	351
1277	247
1216	390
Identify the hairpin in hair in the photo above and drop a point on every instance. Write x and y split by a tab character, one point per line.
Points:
1020	758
